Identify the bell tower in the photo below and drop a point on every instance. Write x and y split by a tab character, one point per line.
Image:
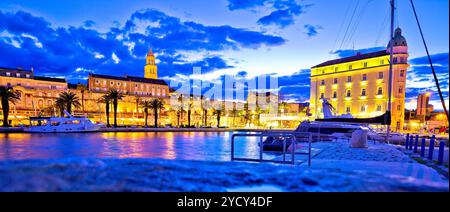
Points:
150	69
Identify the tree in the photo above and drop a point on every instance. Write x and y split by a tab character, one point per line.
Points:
83	89
107	101
69	99
60	105
218	113
156	105
8	95
146	105
115	95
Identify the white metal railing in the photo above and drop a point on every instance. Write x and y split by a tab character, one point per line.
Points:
293	136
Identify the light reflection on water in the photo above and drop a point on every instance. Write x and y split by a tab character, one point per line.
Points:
166	145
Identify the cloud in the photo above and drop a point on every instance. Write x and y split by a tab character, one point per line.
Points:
352	52
420	78
248	4
311	30
30	41
283	12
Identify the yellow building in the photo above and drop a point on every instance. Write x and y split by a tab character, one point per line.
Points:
359	84
36	93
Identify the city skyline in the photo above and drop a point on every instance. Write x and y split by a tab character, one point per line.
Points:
228	37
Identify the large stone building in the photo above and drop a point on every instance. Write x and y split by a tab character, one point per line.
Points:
36	93
359	84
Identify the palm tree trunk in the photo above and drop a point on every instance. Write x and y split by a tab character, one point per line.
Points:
5	108
156	117
69	108
107	115
218	120
146	117
189	117
115	104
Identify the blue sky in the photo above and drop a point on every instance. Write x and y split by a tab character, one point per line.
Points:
282	37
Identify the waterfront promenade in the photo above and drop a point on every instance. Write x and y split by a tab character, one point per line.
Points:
335	167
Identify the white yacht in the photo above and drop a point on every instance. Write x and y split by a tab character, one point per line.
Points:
61	124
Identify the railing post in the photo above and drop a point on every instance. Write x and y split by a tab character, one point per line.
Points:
416	143
406	141
293	149
431	148
309	149
261	148
411	140
441	153
232	147
422	148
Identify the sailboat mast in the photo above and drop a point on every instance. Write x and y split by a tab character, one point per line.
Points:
391	48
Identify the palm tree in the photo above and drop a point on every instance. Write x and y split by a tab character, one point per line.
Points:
115	95
156	105
106	100
8	95
218	113
82	89
60	105
146	105
69	99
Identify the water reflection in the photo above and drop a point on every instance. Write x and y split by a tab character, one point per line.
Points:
166	145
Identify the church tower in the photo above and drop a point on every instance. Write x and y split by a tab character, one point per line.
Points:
150	69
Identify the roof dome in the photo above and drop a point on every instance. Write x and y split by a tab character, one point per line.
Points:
399	40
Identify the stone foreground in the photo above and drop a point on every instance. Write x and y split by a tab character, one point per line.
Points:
336	168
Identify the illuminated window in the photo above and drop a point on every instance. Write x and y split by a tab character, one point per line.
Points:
365	65
349	93
399	107
402	73
335	81
350	67
17	74
380	75
378	108
381	62
349	79
380	91
8	74
347	109
363	92
334	94
364	77
363	109
27	76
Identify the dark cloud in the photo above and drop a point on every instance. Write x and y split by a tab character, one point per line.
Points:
353	52
311	30
437	59
247	4
282	15
28	41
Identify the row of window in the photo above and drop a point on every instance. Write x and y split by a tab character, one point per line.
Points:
8	74
52	87
363	108
136	86
396	60
348	93
364	77
159	92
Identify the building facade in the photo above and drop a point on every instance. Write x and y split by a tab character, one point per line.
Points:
423	106
36	93
358	85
